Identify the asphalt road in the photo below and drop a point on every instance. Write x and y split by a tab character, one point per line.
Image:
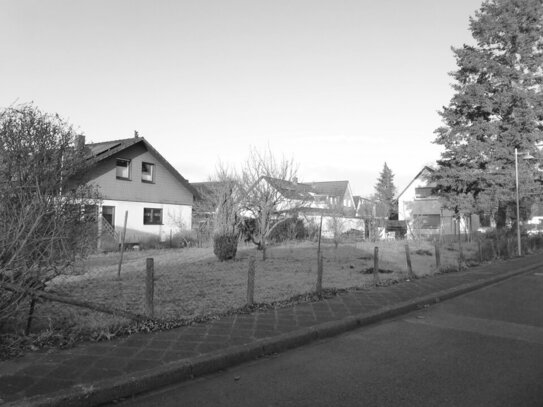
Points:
481	349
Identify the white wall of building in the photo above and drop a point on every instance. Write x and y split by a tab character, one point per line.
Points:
175	218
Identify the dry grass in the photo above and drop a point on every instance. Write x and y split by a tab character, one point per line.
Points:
191	282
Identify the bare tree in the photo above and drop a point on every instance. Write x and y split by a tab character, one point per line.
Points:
335	222
46	218
271	195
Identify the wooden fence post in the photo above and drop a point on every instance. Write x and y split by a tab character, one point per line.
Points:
460	254
251	282
320	262
122	244
438	258
376	264
150	288
480	250
408	259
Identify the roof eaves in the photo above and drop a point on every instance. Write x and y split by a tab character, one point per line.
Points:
413	180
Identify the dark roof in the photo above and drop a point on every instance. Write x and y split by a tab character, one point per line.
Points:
425	168
103	150
331	188
292	190
208	189
356	200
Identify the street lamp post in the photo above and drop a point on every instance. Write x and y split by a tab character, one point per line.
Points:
518	206
527	156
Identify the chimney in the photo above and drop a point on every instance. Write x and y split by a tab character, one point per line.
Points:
136	134
79	142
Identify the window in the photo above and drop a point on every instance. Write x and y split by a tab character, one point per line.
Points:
147	172
424	192
427	221
152	216
123	169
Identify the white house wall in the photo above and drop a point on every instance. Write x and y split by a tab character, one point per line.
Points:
345	222
175	218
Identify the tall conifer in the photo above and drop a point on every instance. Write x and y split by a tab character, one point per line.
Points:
497	107
385	190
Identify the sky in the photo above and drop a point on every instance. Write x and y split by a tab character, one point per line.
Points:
339	86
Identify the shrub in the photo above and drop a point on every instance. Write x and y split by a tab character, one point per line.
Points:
423	252
225	246
151	243
185	238
291	229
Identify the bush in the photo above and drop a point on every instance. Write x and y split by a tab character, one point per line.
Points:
150	243
225	246
291	229
185	238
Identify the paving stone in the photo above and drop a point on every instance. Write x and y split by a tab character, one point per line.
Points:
110	363
141	364
239	341
136	341
160	344
124	351
172	356
48	385
152	354
65	372
98	350
211	346
184	346
37	369
95	374
190	337
168	335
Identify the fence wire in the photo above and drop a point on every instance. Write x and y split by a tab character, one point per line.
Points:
191	283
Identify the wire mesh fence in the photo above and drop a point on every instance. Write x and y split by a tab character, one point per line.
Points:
191	283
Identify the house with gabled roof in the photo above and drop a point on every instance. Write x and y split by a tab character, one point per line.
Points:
422	210
136	181
337	193
313	200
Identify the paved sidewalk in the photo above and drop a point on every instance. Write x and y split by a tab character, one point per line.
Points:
93	373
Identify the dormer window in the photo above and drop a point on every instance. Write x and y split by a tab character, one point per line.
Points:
123	169
147	172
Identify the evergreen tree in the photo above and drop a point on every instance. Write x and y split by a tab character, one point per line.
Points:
385	190
497	107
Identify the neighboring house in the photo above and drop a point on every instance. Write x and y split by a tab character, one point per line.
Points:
375	218
295	195
134	179
333	200
337	194
423	212
535	223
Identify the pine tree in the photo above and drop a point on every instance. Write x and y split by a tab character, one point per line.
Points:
385	190
497	107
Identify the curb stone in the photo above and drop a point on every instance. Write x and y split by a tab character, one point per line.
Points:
107	390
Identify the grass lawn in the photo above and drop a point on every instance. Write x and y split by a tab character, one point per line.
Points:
191	282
